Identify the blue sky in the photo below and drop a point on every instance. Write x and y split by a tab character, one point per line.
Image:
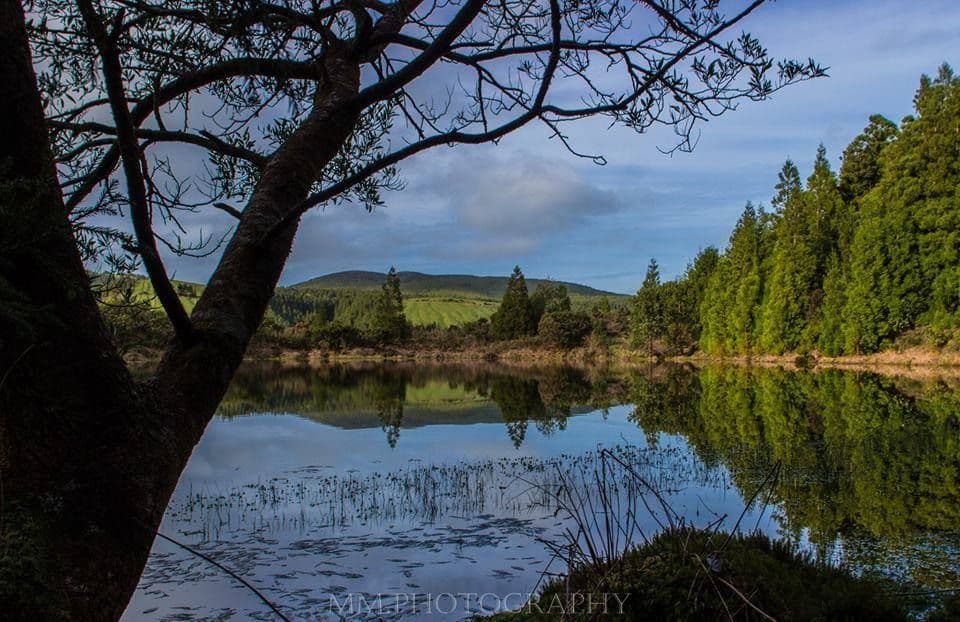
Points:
482	209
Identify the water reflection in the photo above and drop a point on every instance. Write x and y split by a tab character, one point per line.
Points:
405	395
346	478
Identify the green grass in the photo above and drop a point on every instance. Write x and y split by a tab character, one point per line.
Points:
446	312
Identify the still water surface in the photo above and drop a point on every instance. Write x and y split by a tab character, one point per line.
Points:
421	481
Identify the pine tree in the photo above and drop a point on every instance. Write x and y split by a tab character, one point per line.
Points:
713	309
514	318
905	256
731	300
831	330
746	259
788	185
860	170
648	317
389	322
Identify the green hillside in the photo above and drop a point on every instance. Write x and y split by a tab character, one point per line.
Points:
416	284
348	297
444	312
442	299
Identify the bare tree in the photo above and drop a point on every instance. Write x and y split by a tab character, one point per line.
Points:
295	104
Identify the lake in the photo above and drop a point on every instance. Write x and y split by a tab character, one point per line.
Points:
445	490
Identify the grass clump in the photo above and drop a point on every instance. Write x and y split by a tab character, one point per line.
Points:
692	574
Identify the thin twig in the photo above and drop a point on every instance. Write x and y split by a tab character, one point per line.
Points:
214	562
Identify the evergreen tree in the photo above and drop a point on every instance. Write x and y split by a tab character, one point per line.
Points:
788	185
905	256
831	331
731	301
824	210
831	230
696	280
514	317
860	170
804	240
783	314
713	309
389	321
648	309
746	258
922	174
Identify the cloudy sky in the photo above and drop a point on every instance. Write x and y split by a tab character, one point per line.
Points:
482	209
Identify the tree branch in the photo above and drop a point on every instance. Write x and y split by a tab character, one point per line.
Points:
182	85
203	139
136	188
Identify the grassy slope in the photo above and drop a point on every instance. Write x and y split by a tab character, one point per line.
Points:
446	312
418	284
449	299
444	300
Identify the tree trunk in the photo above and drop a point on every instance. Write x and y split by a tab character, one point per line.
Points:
89	457
86	465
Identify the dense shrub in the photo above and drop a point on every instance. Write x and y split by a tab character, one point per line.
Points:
335	335
564	329
133	326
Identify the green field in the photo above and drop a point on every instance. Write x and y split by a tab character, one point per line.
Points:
441	300
446	312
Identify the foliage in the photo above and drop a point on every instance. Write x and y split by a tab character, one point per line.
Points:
549	297
648	320
844	266
514	317
389	323
860	171
564	329
732	298
688	574
803	240
905	259
334	335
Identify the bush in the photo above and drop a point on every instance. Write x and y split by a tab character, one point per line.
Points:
133	326
565	329
479	330
335	335
689	574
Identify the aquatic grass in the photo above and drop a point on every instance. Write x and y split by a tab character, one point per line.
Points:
683	571
421	492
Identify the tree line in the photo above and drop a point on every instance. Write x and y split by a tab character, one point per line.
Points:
841	264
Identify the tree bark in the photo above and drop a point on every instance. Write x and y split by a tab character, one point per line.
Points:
89	457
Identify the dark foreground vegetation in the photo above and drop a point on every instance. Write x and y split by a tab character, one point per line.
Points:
691	575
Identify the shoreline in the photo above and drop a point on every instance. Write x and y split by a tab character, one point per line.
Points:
915	362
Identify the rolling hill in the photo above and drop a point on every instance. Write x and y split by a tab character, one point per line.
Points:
416	284
441	300
446	299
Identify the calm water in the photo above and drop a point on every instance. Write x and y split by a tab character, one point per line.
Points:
441	482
